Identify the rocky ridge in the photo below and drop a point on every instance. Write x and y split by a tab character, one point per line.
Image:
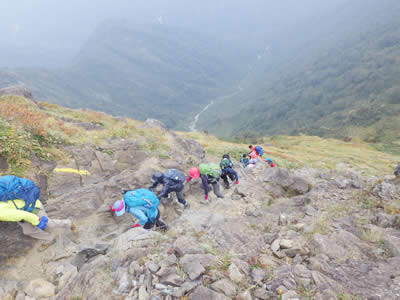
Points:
280	234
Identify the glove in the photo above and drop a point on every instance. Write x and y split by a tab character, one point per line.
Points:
237	182
42	223
188	179
205	197
136	225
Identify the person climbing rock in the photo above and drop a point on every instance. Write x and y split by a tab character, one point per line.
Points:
143	205
245	160
172	181
397	170
209	174
258	150
269	161
19	202
228	171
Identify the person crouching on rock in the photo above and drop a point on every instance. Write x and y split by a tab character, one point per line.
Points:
209	174
228	171
143	205
245	160
269	161
19	202
172	181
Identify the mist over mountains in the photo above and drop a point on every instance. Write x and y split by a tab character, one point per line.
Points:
328	69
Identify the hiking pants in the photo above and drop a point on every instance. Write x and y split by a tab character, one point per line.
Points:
216	189
36	233
181	198
159	224
231	173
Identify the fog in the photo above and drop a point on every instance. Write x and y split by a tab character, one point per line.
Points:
51	32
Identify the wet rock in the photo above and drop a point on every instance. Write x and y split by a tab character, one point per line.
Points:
290	295
152	267
258	275
245	296
263	294
234	274
143	295
185	288
279	179
124	284
68	273
224	286
13	241
203	293
187	245
135	268
386	191
194	269
39	288
170	260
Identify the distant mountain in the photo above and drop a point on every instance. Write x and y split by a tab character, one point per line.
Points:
343	79
138	71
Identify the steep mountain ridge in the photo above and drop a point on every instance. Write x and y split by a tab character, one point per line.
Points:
323	224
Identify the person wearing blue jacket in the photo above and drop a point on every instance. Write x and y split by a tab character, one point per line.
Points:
143	205
172	181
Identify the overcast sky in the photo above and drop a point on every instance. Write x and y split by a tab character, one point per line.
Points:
66	24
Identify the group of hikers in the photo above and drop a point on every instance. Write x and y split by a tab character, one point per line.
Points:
19	197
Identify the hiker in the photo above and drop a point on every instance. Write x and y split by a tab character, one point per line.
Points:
397	170
19	202
228	171
258	150
209	174
245	160
269	161
143	205
172	181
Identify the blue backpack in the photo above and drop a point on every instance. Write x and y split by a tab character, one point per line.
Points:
259	150
13	187
141	197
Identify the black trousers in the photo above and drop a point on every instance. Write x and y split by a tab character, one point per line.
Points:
159	224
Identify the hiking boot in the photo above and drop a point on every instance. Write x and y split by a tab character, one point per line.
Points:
44	246
186	205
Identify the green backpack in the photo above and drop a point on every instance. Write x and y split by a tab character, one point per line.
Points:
226	163
212	170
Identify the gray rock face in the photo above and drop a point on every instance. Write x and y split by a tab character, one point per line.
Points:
153	123
17	90
280	181
224	286
14	242
387	191
203	293
40	288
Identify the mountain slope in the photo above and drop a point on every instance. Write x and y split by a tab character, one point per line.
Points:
336	85
138	71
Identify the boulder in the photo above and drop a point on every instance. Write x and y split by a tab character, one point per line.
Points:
203	293
224	286
40	288
13	241
281	181
17	90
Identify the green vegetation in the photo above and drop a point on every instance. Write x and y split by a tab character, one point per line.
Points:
348	87
137	71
